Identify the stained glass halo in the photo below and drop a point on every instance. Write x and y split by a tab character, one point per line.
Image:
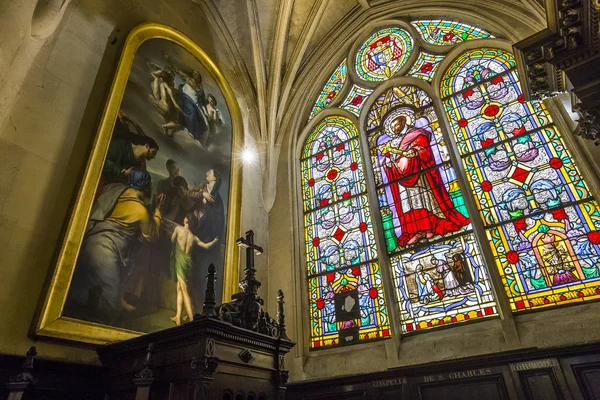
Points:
383	51
385	86
403	111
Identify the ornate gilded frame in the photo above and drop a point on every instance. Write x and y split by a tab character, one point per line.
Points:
50	321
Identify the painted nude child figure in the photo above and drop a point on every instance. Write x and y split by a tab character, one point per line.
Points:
162	97
181	265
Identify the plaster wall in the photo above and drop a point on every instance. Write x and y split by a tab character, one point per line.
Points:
47	122
18	50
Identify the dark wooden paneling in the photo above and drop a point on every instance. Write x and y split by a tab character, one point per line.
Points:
492	388
540	385
55	379
588	378
396	393
178	390
354	395
569	373
123	395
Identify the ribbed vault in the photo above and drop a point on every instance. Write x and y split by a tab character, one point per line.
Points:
289	48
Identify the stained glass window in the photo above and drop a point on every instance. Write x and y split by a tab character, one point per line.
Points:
426	66
331	90
540	219
438	270
355	99
447	33
347	302
383	54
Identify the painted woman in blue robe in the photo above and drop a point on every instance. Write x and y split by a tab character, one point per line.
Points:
192	100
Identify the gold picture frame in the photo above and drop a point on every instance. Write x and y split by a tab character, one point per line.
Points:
50	321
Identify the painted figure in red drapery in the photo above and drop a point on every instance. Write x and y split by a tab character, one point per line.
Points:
423	204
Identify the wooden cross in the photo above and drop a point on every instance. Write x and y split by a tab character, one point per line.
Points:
251	249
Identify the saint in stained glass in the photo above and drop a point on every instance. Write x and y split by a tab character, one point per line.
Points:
392	98
540	218
356	99
426	66
425	221
383	54
331	90
448	33
345	286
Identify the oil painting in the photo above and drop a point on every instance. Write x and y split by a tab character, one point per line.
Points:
162	204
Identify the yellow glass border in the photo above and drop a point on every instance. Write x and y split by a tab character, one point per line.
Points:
50	322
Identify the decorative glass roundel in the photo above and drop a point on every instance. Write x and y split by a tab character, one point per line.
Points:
383	54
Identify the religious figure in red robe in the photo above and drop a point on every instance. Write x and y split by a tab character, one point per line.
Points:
422	202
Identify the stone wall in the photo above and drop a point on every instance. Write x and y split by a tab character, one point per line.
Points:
52	93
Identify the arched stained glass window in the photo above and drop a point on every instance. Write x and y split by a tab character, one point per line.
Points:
438	271
447	33
347	302
435	263
383	54
540	218
331	90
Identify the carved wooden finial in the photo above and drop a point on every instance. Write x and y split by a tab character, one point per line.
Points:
148	359
210	296
24	378
28	363
281	316
146	376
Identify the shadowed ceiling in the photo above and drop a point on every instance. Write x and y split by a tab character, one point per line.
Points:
327	16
